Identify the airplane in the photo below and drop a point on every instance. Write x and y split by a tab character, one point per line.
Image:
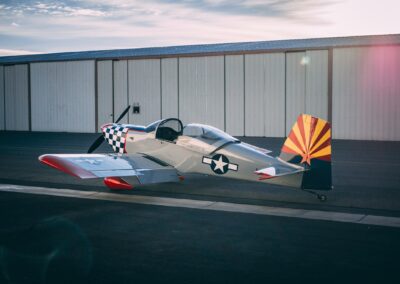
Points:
165	150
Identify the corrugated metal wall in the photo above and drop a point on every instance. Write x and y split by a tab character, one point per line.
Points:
169	87
317	83
366	93
144	89
234	91
63	96
16	97
252	94
104	93
120	88
295	87
265	95
201	90
2	110
306	85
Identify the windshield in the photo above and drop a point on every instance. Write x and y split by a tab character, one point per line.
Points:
151	127
208	134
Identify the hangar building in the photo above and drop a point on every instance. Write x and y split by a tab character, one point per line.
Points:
247	89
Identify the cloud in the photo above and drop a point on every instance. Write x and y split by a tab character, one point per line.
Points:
10	52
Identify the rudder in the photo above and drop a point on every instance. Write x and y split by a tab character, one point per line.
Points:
309	145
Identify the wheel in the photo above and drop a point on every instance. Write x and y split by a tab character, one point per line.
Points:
322	197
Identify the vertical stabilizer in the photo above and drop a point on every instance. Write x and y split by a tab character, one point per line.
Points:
309	145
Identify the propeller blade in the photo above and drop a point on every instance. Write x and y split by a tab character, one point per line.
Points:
96	144
123	114
100	140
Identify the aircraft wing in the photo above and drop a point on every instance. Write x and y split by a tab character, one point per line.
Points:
86	166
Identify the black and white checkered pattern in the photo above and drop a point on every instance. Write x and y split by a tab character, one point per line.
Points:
115	135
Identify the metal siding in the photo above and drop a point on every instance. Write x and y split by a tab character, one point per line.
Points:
317	83
234	92
144	88
295	87
366	90
265	95
169	87
63	96
16	97
2	109
201	90
274	105
104	93
120	89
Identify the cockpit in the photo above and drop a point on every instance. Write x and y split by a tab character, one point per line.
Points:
208	138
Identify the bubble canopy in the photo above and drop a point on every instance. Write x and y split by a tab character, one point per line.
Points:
208	134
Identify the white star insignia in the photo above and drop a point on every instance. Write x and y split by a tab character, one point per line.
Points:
219	164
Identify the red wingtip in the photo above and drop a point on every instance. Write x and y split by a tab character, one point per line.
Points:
181	178
117	183
65	166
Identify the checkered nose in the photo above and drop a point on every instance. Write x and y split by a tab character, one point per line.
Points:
115	135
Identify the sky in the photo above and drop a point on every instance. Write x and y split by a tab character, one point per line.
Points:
46	26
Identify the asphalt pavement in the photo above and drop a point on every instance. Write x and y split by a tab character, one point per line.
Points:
54	239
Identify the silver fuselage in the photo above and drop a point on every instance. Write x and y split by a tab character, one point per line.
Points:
190	155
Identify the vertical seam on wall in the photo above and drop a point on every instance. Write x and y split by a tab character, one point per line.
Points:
112	84
224	92
330	84
96	97
305	82
127	87
244	95
161	100
4	94
178	87
29	99
285	93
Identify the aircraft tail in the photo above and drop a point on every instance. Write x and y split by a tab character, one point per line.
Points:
309	145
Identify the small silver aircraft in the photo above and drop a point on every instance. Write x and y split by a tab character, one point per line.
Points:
165	150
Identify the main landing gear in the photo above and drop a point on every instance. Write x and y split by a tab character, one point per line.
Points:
321	197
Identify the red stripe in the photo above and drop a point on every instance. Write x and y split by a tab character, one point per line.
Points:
322	146
301	128
312	130
322	133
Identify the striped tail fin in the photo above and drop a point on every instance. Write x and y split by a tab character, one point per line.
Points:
309	145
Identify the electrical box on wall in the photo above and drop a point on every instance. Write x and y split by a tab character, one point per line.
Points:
136	108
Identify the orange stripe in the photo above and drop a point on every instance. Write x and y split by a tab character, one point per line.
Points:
327	143
294	139
301	129
322	137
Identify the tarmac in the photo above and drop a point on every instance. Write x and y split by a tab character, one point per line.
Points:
58	229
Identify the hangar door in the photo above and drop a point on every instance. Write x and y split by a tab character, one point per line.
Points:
63	96
306	85
105	112
16	93
201	90
144	90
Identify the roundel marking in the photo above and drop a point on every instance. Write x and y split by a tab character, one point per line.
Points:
220	164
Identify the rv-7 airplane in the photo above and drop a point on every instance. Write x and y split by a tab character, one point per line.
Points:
165	149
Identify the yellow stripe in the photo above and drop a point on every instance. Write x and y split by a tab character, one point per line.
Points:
307	124
296	132
324	138
318	128
323	152
290	144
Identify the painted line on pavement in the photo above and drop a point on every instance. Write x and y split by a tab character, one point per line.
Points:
210	205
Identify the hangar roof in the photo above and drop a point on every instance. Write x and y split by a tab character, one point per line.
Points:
209	49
